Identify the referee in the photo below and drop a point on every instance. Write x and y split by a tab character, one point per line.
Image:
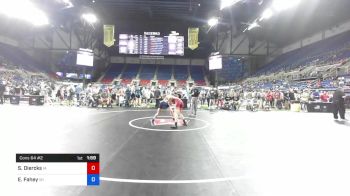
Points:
194	100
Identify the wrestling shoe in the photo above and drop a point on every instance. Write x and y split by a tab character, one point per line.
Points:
185	123
175	126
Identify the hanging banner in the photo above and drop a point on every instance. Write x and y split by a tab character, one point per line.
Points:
193	38
108	32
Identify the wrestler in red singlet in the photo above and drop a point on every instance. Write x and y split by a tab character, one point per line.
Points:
178	110
179	104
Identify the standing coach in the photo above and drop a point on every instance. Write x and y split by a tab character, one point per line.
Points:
339	103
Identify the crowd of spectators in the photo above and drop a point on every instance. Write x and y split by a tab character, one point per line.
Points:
20	82
278	94
281	94
95	95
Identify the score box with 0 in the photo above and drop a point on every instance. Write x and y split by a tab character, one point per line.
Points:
58	169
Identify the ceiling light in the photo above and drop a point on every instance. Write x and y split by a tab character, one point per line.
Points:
90	18
213	21
227	3
24	10
67	3
268	13
253	25
281	5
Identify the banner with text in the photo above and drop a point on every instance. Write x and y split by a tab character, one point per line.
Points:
193	38
108	39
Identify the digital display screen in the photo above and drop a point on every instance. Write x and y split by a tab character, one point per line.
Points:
85	58
72	75
151	44
87	76
215	62
59	74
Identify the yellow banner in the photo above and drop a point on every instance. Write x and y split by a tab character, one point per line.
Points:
193	38
108	39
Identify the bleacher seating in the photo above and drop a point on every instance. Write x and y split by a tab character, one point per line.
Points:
200	83
326	84
163	82
19	57
130	71
232	69
329	51
107	80
181	82
145	82
164	72
112	72
180	72
197	74
147	72
125	81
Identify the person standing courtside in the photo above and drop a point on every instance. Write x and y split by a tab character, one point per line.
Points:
339	103
2	91
194	100
157	95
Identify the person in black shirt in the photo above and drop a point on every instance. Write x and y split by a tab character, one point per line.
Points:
2	91
207	96
339	104
194	100
216	96
127	97
291	96
157	94
212	95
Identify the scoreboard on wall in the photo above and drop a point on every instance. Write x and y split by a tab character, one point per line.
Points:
151	43
58	169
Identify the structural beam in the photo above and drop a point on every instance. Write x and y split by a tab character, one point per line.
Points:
239	44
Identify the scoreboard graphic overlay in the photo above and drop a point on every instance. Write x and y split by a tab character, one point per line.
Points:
58	169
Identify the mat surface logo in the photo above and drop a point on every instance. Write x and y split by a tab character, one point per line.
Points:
159	122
